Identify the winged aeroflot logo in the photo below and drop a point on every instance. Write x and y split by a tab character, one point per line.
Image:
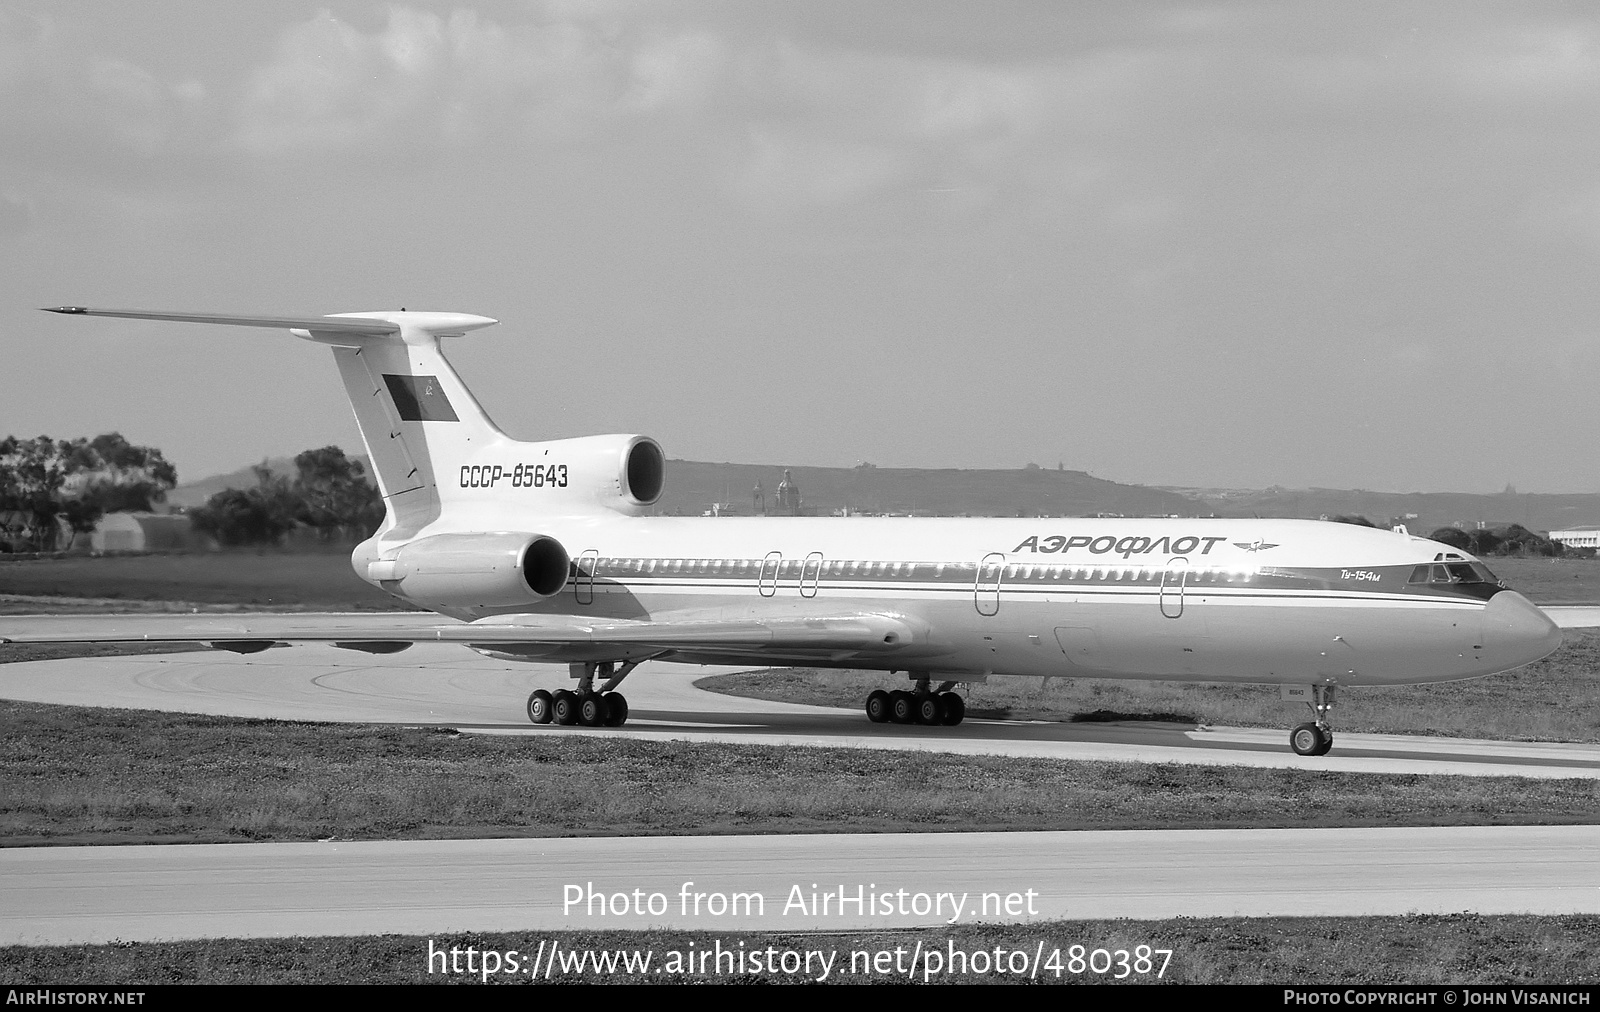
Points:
1253	546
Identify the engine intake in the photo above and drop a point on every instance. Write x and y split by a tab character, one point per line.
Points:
645	473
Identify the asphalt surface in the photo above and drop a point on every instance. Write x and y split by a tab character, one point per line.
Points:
64	895
446	685
99	894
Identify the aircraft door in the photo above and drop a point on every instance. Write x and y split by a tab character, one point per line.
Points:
583	579
767	579
1172	584
811	575
986	591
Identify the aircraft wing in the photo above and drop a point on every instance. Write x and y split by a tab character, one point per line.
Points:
386	632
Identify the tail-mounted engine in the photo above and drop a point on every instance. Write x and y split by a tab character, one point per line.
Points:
625	473
475	570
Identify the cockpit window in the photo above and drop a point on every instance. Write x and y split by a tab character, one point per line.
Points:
1453	572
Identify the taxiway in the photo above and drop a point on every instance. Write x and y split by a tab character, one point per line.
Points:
67	895
446	685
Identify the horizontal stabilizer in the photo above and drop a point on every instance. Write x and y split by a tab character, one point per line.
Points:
325	324
420	425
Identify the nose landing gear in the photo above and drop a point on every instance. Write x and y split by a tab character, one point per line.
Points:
1315	737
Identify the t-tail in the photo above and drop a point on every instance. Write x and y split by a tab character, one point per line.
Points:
442	465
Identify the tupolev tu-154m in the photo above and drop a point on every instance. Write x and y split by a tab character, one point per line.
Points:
544	551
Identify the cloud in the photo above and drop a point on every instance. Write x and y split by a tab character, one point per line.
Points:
16	215
1570	216
1538	62
425	80
66	109
791	168
784	120
778	119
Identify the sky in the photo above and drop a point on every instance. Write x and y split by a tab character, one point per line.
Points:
1236	244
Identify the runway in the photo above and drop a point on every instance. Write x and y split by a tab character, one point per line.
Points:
64	895
1573	616
439	684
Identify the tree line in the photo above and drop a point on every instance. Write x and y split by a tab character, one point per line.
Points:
52	490
47	484
329	493
1512	539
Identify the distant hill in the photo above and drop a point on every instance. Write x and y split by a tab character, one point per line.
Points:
1432	510
694	486
196	493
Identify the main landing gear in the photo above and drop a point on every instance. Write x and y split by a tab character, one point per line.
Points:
1315	737
924	706
587	706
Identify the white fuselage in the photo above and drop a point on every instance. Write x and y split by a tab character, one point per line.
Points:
1208	600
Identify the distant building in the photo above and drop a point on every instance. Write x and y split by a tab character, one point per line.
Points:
146	532
789	501
1587	536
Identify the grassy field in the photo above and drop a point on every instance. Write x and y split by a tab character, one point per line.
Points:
269	581
1547	581
84	776
1457	949
1556	699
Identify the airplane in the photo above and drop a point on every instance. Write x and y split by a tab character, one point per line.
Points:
545	551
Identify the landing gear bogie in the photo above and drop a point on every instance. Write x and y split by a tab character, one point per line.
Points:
590	705
926	706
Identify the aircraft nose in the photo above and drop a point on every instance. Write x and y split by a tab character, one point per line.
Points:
1516	632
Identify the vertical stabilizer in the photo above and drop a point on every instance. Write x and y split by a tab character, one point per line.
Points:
418	419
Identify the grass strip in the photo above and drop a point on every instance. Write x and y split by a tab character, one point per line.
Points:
1416	949
266	580
72	775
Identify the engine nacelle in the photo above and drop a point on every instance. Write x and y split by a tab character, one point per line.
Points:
623	473
490	570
